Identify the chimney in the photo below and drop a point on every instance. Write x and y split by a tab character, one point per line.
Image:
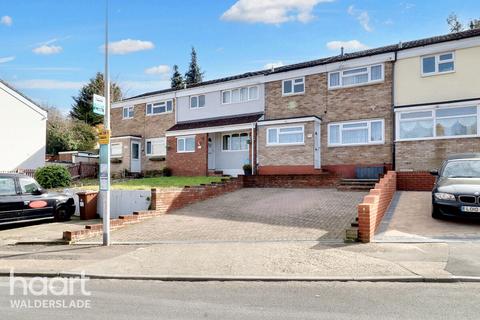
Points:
272	68
341	51
400	45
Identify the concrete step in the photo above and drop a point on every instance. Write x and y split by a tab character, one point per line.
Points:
354	187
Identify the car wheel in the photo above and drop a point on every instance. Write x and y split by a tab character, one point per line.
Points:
62	214
436	214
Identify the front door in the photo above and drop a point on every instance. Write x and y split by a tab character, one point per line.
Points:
211	152
135	161
317	146
11	203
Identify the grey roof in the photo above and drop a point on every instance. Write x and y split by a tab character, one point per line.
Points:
347	56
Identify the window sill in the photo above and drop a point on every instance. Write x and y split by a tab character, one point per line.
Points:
426	75
356	144
157	114
284	144
156	158
293	94
357	85
439	138
186	151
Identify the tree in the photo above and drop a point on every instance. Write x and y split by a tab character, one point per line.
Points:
176	79
456	26
193	75
64	134
82	109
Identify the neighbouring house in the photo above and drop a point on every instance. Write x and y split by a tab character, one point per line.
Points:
23	128
78	156
404	106
437	99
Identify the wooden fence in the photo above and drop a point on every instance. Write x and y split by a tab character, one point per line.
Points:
77	171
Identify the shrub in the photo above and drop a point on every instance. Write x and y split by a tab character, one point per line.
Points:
54	176
247	169
167	172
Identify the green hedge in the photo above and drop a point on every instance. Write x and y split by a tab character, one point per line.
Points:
54	176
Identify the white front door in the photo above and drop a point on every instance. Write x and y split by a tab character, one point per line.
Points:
316	156
135	159
211	152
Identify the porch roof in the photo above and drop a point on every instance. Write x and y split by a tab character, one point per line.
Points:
213	124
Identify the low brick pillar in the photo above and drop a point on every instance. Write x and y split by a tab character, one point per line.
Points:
167	199
415	181
375	205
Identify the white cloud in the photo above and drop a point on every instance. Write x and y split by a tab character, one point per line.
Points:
133	87
7	59
161	69
271	11
6	20
362	17
128	46
47	49
48	84
351	45
271	65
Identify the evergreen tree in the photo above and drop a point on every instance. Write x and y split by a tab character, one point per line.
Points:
82	109
176	79
193	75
456	26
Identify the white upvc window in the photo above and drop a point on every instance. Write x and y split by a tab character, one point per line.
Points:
293	86
438	64
156	147
197	102
239	95
356	76
116	149
159	107
433	123
291	135
235	142
186	144
355	133
128	112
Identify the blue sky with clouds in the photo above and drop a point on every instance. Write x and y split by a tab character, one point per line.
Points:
51	47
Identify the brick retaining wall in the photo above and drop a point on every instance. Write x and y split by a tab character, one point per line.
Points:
374	206
415	181
291	181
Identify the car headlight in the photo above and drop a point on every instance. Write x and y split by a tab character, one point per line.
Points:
444	196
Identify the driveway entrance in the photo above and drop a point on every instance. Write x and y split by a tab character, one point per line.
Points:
252	215
409	220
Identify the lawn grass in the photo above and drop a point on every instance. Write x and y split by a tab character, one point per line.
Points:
148	183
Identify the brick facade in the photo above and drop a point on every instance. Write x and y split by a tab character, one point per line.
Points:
364	102
415	181
145	127
188	163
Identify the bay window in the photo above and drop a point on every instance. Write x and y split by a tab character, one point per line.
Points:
356	133
285	135
356	76
235	142
441	122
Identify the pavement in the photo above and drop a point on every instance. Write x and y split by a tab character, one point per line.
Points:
251	214
111	299
409	220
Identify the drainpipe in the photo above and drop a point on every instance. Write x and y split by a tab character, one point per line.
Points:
394	122
252	146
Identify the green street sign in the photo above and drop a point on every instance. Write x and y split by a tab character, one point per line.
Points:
99	105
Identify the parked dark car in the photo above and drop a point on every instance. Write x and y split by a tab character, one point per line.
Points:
23	199
457	187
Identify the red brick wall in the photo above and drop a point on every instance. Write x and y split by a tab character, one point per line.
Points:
348	170
188	163
287	170
167	199
290	181
375	205
415	181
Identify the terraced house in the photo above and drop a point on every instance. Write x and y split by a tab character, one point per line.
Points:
404	107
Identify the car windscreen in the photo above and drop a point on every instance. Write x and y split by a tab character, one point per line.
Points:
462	169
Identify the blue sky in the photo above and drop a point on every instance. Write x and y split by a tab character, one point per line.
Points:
51	47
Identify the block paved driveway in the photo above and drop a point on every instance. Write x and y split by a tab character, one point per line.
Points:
265	214
409	220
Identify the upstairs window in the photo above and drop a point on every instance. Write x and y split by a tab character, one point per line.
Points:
293	86
160	107
128	112
197	102
356	133
356	76
240	95
437	64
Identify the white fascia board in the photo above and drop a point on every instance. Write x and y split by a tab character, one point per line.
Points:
438	48
250	81
437	105
341	65
210	130
286	121
25	101
125	137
